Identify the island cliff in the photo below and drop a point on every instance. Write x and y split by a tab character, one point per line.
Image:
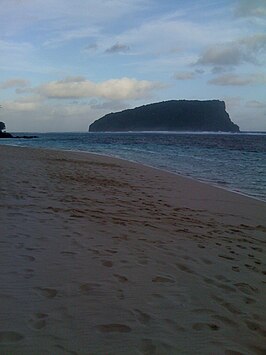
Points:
181	115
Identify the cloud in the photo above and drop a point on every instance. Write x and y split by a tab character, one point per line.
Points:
60	38
58	22
185	76
26	104
221	55
117	48
245	50
114	89
239	80
91	47
256	104
109	106
14	83
251	8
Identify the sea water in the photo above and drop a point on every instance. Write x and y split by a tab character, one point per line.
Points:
234	162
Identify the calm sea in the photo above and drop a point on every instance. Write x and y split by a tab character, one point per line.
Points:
233	161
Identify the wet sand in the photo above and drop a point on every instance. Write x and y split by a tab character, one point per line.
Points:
104	256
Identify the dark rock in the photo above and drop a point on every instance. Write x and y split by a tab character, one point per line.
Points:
9	135
26	137
5	135
182	115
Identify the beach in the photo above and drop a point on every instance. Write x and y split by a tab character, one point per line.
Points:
105	256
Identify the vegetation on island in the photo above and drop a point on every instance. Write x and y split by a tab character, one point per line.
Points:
174	115
9	135
4	134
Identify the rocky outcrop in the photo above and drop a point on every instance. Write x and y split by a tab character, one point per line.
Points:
174	115
9	135
5	135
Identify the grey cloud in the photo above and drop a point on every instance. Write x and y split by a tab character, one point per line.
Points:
246	50
185	76
14	83
199	71
238	80
218	70
118	48
255	43
251	8
188	75
256	104
222	55
91	47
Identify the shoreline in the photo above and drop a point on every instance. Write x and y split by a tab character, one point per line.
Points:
210	183
102	255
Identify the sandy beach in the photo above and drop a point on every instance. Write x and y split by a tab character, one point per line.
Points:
104	256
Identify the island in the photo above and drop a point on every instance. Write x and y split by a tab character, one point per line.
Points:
173	115
4	134
9	135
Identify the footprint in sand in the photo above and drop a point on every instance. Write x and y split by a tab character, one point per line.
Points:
46	292
225	320
121	278
162	279
227	305
203	326
142	317
88	288
38	321
107	263
66	351
147	347
28	257
256	327
118	328
246	288
185	268
207	261
29	273
66	252
7	337
233	352
226	257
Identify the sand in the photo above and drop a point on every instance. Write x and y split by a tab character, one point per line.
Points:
104	256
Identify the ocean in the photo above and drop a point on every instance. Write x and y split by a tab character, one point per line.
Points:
235	162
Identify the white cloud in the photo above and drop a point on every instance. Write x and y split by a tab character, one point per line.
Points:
114	89
20	106
39	116
239	80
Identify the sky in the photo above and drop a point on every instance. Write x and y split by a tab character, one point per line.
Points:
65	63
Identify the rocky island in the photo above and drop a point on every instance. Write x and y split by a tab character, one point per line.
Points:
9	135
174	115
